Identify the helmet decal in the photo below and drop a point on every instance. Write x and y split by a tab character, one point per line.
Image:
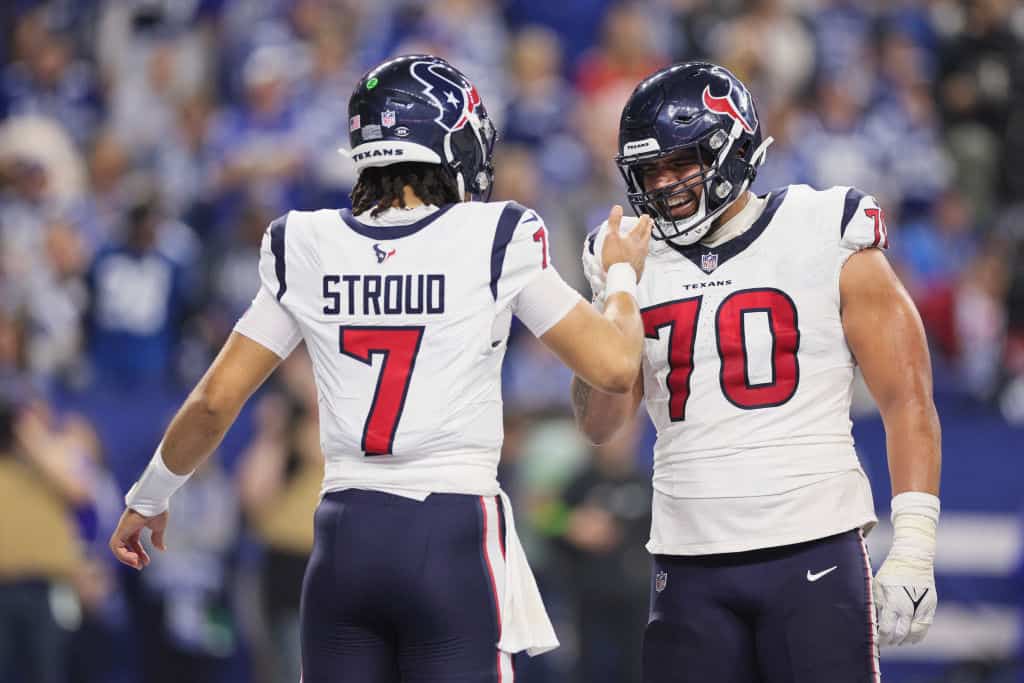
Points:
724	105
450	98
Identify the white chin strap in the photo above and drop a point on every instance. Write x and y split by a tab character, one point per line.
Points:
758	157
691	235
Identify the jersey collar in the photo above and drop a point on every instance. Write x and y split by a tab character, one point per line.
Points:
393	231
708	258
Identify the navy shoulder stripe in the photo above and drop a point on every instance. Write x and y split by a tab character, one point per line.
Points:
850	204
507	222
277	248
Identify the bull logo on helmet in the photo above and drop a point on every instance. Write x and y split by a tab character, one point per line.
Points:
453	101
723	104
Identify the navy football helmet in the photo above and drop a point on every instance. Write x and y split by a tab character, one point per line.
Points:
420	108
701	108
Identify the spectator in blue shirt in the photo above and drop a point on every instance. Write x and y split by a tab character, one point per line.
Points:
137	304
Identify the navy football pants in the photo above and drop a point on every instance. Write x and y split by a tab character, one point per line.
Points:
778	615
402	590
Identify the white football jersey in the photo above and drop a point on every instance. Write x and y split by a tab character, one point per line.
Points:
406	324
747	377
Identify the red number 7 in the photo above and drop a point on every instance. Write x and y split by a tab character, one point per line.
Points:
881	231
398	346
542	236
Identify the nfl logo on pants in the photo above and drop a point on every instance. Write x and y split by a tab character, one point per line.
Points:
660	581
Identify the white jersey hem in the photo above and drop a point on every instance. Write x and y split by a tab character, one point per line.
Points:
790	538
414	479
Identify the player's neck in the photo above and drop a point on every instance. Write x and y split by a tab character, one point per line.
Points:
735	220
734	209
409	198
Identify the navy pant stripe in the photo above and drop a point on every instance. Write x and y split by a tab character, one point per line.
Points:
490	526
501	524
490	567
873	628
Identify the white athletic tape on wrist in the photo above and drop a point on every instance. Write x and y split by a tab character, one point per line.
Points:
916	503
620	278
915	517
151	494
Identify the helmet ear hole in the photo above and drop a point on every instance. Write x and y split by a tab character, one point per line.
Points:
468	159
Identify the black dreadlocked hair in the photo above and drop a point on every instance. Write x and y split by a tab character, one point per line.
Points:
380	187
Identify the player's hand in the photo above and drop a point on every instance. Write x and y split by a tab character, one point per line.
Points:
126	541
593	269
629	247
905	600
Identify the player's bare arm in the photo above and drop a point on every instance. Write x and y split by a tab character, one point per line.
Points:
887	338
600	415
611	359
239	369
885	333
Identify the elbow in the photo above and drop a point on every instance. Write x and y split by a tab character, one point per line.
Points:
620	384
597	430
213	405
597	433
619	378
600	414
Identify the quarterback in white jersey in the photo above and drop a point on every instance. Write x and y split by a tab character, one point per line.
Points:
756	311
405	304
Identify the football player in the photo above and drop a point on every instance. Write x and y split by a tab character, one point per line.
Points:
756	310
404	304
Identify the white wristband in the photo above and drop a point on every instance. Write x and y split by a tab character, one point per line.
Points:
620	278
151	494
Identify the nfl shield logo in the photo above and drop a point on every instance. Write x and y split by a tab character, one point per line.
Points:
354	123
660	581
708	262
387	118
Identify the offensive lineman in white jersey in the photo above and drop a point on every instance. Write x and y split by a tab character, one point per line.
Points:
755	311
404	304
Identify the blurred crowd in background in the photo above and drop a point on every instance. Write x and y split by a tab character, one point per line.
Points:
145	145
